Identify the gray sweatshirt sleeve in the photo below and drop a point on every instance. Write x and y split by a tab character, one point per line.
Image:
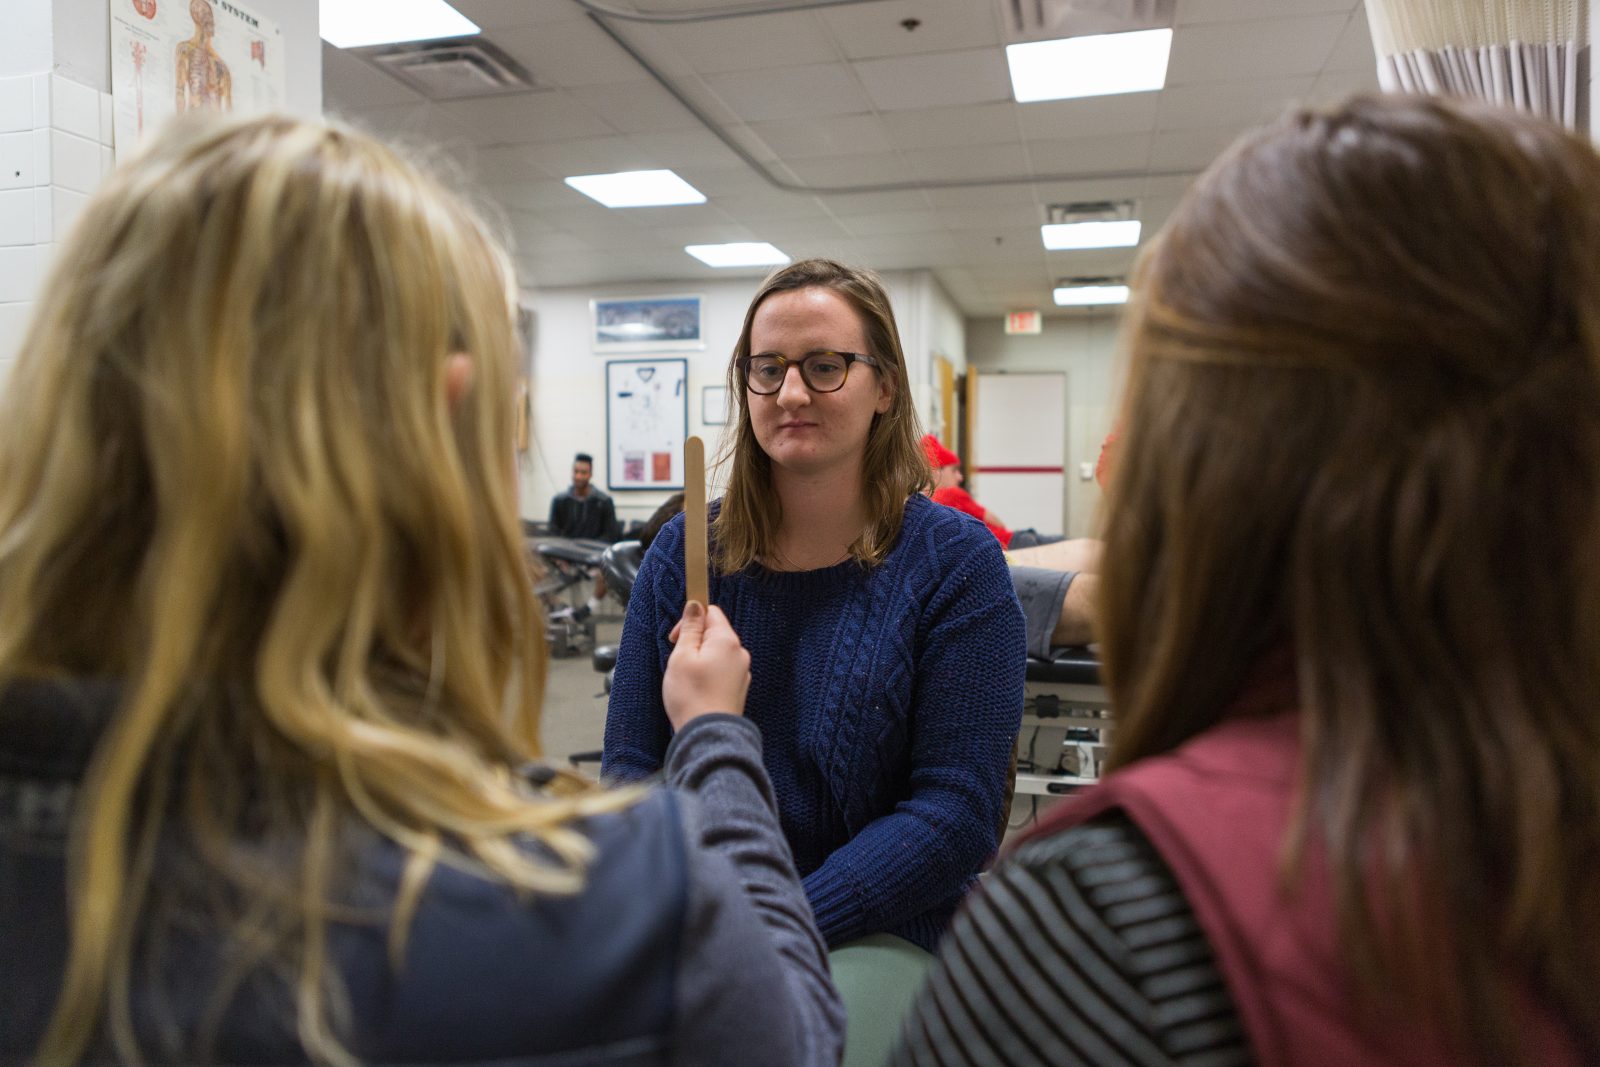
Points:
754	988
1041	592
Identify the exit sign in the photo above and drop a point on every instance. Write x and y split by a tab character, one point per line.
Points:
1023	322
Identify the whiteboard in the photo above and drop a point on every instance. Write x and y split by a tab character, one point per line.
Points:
647	420
1020	452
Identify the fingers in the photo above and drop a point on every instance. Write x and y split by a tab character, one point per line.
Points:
691	629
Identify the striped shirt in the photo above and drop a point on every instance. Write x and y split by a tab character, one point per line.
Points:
1080	949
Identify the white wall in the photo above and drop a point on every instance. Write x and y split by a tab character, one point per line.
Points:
1085	348
569	378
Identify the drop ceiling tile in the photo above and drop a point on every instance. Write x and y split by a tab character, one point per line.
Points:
1189	149
509	165
527	118
875	29
569	53
940	79
697	151
756	210
1091	116
705	233
792	92
992	218
1233	105
871	168
348	81
847	204
786	232
908	251
530	194
421	128
1195	12
1088	156
496	14
1354	50
1334	85
1240	50
953	127
596	155
981	196
755	43
1000	161
635	107
1091	263
889	222
838	135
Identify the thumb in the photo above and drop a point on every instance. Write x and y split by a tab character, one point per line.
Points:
692	627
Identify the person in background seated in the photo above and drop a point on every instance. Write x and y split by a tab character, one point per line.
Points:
1054	578
585	513
887	647
947	479
1350	622
271	667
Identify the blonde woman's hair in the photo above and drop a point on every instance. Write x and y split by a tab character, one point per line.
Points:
894	467
231	479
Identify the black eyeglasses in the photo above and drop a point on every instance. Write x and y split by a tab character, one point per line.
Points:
823	372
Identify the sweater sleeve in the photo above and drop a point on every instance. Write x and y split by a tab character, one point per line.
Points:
1080	948
637	730
754	987
966	710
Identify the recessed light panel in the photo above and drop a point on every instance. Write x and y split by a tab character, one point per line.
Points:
637	188
1063	236
360	23
1090	295
738	254
1098	65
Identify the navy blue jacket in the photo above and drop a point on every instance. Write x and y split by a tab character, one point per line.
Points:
691	942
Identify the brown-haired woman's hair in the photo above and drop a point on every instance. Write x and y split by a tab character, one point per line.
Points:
746	528
1362	433
232	479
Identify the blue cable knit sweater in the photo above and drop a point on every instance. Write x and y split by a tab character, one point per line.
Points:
888	698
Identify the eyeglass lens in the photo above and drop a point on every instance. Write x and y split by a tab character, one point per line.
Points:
824	372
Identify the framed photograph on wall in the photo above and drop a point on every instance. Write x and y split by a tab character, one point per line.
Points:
714	405
647	324
647	421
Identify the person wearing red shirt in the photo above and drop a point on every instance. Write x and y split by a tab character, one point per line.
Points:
947	489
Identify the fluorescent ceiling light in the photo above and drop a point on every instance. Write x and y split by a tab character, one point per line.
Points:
1090	295
359	23
1099	65
1069	235
637	188
738	254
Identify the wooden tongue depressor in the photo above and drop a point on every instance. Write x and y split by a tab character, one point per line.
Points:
696	581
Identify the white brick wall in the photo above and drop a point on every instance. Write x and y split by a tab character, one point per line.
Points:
55	147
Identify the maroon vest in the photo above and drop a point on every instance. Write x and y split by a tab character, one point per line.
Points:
1217	810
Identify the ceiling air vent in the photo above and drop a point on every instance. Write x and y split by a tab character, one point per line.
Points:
1041	20
452	69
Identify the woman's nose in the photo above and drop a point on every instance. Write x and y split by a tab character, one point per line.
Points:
793	392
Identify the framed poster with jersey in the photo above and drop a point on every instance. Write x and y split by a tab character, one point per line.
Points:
647	421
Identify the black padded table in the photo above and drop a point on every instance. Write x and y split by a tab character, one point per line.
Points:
1067	711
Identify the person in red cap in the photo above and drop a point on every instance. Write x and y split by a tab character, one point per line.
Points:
947	489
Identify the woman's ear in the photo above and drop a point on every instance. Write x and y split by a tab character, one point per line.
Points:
458	370
885	395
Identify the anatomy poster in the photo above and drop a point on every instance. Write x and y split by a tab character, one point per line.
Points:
647	420
171	56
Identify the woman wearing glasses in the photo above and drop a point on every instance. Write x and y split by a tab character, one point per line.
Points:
887	647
